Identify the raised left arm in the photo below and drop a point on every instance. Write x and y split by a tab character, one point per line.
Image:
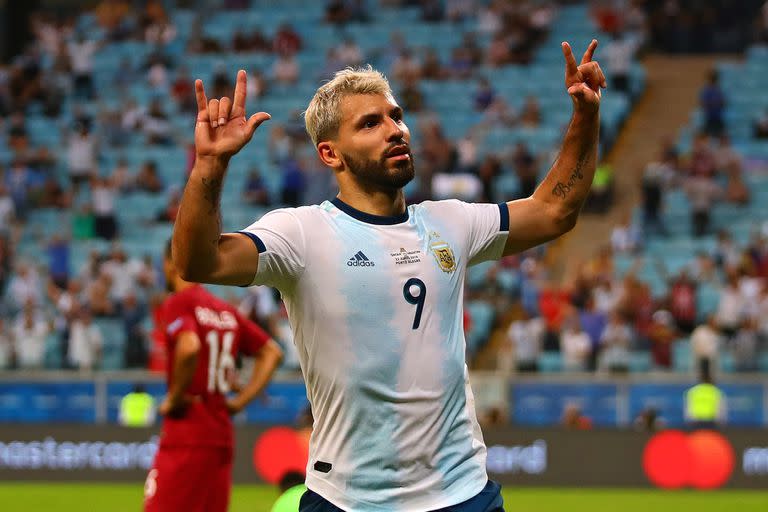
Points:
553	208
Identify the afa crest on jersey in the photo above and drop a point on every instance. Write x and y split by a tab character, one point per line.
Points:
442	252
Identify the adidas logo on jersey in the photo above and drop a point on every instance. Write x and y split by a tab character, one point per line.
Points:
360	260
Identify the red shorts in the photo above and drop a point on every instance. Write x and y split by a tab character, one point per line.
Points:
192	479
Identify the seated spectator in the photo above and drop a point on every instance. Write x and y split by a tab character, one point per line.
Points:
484	95
255	191
148	179
760	126
121	177
171	209
30	332
431	67
349	53
410	96
530	114
285	69
287	41
525	165
257	85
499	53
156	125
460	66
406	66
182	91
85	342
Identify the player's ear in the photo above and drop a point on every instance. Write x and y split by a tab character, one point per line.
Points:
329	155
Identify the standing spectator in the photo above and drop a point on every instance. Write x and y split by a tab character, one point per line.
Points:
702	194
712	101
81	53
182	91
618	54
6	347
103	194
7	211
615	343
19	183
81	156
661	333
58	260
593	322
132	315
744	347
682	301
293	185
705	345
122	273
85	342
25	286
656	177
731	307
527	338
575	344
29	333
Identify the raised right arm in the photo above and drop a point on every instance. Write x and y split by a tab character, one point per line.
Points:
200	251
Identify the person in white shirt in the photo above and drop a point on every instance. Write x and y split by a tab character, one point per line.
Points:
25	286
575	344
527	337
81	52
731	308
85	342
6	346
705	344
29	334
616	342
373	288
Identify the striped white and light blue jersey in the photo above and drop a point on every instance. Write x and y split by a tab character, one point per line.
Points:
375	304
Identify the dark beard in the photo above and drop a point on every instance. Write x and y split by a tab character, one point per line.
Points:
375	172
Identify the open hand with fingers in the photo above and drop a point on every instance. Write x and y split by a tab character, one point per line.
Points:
584	80
222	128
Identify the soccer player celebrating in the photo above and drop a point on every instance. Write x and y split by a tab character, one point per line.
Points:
192	470
374	288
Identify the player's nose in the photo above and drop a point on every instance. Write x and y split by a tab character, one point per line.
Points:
394	130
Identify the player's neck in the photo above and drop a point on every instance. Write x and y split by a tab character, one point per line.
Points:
181	285
381	203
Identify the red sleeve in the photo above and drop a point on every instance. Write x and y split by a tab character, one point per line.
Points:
252	337
179	317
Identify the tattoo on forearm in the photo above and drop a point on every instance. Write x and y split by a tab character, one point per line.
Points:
212	194
561	189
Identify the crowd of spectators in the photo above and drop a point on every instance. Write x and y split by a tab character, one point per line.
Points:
48	304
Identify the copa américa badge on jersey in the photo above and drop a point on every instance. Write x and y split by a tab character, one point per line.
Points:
442	252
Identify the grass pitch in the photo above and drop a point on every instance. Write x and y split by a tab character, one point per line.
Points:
79	497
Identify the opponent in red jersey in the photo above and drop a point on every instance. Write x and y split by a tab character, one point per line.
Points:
193	467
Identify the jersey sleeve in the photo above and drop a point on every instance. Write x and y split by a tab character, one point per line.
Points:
178	317
252	337
279	237
488	230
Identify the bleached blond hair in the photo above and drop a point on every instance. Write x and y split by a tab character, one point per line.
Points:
322	118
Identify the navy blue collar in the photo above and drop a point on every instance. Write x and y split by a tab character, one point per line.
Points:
367	217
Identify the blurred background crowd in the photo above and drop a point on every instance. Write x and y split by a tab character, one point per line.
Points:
97	106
